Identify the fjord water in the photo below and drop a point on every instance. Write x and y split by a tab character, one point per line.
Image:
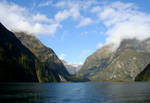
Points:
103	92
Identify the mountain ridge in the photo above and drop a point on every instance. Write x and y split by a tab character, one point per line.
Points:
17	63
122	64
48	57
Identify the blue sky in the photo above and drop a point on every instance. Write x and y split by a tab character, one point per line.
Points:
74	29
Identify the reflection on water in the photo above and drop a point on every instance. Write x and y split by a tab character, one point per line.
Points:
75	93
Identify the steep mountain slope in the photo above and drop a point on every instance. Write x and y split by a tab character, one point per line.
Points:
72	68
17	63
122	64
97	61
144	75
47	56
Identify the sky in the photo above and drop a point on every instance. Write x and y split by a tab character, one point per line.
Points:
75	29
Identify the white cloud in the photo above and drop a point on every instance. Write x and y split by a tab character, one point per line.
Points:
61	4
20	19
60	16
77	64
47	3
41	17
99	45
82	4
96	9
88	3
73	9
62	56
84	22
73	12
123	21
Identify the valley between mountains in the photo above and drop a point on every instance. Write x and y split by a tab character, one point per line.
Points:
23	58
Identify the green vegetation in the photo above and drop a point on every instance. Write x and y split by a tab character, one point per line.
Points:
144	75
51	67
17	63
122	64
31	61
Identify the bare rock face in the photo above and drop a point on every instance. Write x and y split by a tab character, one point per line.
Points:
122	64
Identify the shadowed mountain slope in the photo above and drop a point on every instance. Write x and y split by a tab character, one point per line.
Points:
144	75
47	57
17	63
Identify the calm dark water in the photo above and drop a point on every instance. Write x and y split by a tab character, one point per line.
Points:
75	93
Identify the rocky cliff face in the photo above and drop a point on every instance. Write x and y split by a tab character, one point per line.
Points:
17	63
122	64
53	66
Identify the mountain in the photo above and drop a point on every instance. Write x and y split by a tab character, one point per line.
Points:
54	68
72	68
122	64
47	56
97	61
17	63
53	65
144	75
